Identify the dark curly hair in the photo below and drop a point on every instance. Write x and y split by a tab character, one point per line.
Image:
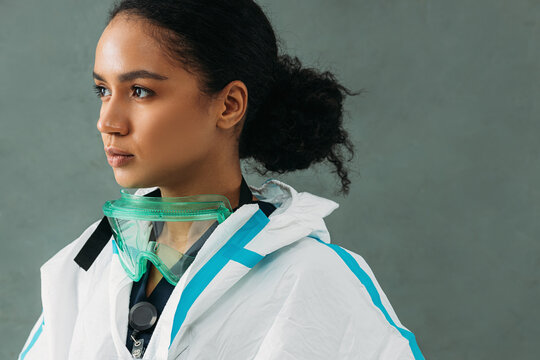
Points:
297	111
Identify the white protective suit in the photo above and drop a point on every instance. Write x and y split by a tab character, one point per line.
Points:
259	288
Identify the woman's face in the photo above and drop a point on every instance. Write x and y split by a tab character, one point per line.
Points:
163	120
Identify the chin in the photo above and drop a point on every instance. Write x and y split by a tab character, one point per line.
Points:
127	180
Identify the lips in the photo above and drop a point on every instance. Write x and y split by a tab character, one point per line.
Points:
118	157
112	151
119	160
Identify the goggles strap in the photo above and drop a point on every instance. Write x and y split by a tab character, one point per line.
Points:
246	196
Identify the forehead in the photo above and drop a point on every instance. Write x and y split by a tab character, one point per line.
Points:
126	45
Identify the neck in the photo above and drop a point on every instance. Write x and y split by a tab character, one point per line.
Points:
214	177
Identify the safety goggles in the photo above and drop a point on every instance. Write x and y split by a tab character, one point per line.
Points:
161	229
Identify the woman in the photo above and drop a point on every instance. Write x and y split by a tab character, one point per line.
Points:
188	88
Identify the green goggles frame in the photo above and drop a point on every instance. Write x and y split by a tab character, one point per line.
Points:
132	238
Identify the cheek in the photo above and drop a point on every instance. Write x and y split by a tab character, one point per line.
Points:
177	135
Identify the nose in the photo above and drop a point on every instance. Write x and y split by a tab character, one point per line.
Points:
112	120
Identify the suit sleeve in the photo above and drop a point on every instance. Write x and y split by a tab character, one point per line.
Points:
35	346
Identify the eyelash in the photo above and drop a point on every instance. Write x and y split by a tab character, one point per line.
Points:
97	90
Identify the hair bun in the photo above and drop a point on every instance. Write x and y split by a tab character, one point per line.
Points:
300	121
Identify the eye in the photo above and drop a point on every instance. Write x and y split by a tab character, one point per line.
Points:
149	92
97	90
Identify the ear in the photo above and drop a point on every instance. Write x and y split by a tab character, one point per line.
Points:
232	104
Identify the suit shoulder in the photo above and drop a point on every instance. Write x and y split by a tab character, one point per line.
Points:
339	283
312	255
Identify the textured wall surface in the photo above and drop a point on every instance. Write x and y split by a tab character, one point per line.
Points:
445	198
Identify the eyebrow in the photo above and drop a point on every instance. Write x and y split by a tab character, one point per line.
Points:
132	75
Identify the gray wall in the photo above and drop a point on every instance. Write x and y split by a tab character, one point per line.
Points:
444	204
